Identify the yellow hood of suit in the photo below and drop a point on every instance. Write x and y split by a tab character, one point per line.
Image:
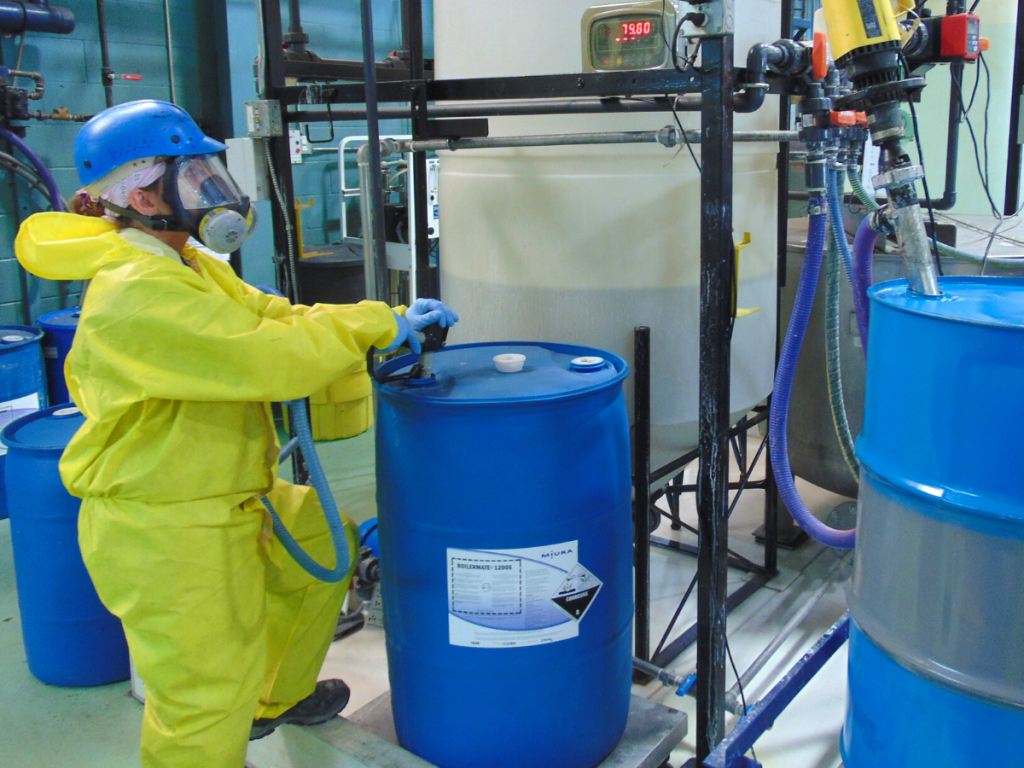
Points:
174	369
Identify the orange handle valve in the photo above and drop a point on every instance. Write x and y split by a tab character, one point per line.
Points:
862	119
819	55
845	118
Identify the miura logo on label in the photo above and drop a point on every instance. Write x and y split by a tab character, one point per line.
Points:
556	553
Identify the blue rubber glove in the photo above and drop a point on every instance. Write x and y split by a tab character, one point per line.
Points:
425	312
405	336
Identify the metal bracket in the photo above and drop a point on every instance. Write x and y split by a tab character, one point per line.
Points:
721	17
465	128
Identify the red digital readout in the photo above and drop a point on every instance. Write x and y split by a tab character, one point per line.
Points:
634	30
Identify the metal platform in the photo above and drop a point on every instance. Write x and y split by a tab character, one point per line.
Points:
367	739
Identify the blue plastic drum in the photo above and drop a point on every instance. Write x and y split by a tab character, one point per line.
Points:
6	417
368	536
59	328
70	638
506	556
22	374
936	670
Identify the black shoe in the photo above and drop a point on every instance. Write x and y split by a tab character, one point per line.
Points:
327	701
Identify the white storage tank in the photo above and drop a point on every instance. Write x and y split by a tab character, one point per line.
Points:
582	244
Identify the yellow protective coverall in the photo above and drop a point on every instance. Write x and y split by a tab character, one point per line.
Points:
174	369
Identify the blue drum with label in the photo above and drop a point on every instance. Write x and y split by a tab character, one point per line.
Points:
504	504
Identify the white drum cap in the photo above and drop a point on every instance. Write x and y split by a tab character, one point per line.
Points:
509	363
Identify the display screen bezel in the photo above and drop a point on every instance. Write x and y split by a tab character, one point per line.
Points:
656	48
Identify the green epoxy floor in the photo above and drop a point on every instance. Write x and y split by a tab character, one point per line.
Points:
46	727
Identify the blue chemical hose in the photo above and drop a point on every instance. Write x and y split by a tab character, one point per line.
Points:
341	552
777	423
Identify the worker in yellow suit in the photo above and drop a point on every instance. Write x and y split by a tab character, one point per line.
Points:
174	365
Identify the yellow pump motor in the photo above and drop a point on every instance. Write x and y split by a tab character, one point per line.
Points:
857	24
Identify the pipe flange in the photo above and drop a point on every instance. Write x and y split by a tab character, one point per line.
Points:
896	132
898	177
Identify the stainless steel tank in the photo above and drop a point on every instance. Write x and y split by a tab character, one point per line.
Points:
813	446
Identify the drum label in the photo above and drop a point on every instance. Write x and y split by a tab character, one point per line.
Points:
513	598
7	408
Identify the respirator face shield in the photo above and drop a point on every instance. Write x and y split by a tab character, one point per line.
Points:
208	203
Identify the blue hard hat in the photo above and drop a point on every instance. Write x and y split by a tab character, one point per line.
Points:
135	130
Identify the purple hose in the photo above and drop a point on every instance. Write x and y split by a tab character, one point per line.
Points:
863	261
44	173
778	439
835	214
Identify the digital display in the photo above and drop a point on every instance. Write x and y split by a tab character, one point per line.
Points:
634	29
627	41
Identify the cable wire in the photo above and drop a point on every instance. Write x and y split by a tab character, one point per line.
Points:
675	114
288	228
982	174
739	684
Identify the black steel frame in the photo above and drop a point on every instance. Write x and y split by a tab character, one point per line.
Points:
711	91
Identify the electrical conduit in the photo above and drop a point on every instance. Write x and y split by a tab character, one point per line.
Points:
342	557
778	439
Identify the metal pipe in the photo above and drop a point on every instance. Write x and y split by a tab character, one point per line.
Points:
916	247
106	73
689	102
733	700
493	109
948	199
34	77
374	254
667	136
170	52
374	203
296	38
18	18
670	679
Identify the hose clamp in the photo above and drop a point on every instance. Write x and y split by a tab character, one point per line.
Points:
880	221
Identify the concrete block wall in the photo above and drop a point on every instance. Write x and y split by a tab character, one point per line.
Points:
71	66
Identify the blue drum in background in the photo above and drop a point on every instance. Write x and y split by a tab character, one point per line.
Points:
6	417
936	670
368	536
504	505
70	638
59	329
22	374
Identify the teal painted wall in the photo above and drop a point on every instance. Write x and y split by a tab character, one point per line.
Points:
215	45
334	30
71	66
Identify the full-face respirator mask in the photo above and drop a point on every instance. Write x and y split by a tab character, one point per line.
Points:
206	202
